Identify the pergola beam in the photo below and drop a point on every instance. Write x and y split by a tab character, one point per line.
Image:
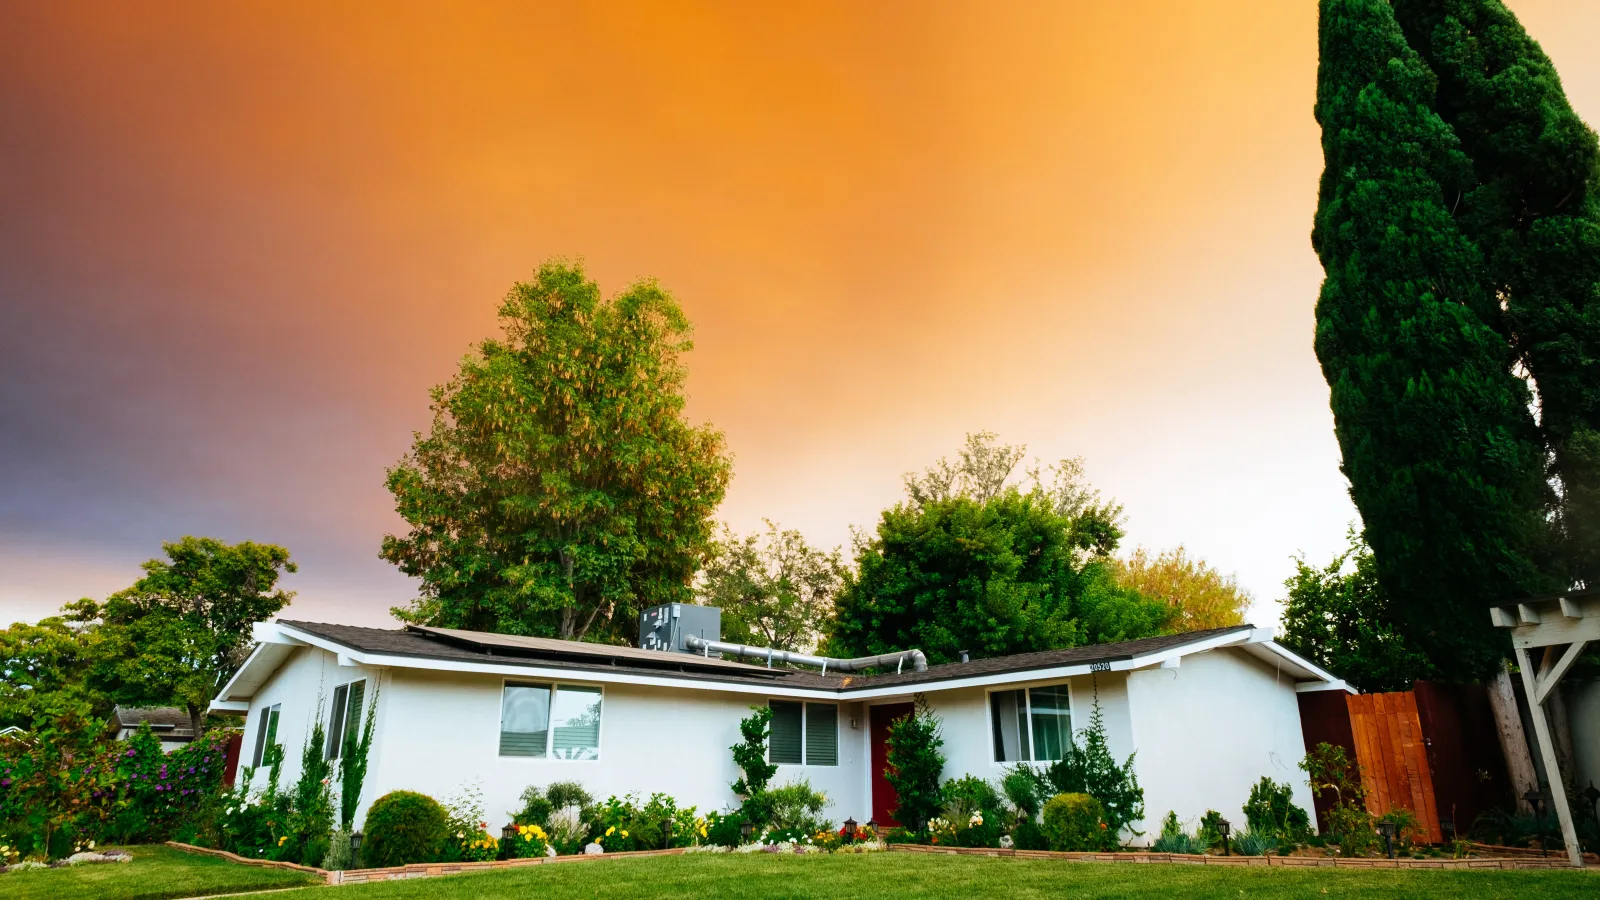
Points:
1547	679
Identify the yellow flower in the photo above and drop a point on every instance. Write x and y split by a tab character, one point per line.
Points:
624	834
610	831
282	839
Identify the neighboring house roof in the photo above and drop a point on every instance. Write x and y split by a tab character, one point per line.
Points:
457	650
13	731
168	722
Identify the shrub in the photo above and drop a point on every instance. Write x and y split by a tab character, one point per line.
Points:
353	764
621	824
1076	822
1271	811
563	794
309	819
1251	842
1029	836
536	808
567	831
973	812
403	827
1334	773
1210	833
796	806
467	837
724	829
531	841
750	755
1087	767
1173	839
1021	787
915	766
338	855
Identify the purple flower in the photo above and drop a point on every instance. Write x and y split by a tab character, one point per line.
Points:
130	752
5	782
191	768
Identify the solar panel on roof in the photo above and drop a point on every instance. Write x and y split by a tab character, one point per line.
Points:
525	646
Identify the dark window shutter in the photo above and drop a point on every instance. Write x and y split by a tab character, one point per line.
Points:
336	724
783	747
352	719
261	737
822	734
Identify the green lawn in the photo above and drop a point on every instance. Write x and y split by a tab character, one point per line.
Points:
903	875
156	873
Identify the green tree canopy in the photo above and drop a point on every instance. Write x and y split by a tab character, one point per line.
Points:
1444	459
1533	208
560	489
774	590
1340	618
183	629
970	562
43	664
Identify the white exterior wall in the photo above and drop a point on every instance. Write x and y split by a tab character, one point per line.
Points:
1204	734
308	676
438	732
1583	718
1207	731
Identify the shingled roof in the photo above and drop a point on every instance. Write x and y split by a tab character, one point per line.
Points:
459	646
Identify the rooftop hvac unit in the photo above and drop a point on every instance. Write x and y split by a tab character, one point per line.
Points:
667	626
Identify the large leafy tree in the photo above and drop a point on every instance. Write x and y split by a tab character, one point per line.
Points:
972	561
1533	208
774	589
45	663
183	629
1339	617
1200	596
1444	459
560	488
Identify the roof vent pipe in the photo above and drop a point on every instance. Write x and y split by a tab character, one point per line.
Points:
963	656
919	663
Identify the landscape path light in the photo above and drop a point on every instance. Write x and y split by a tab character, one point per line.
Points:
1535	803
355	846
745	831
1223	827
1386	828
849	830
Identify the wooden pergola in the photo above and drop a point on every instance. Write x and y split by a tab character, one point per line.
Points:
1547	625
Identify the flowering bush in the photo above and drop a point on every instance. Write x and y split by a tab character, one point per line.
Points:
58	787
531	841
622	824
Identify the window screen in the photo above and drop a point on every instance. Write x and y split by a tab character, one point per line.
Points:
1009	713
822	734
783	746
576	722
525	720
1052	721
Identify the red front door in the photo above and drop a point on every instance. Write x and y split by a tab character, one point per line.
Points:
884	798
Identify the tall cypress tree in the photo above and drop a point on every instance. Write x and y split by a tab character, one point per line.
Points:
1534	211
1443	456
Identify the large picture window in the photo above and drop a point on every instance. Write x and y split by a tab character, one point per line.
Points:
346	715
804	733
1031	724
550	721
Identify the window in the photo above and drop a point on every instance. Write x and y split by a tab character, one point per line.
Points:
266	733
1031	723
545	721
347	699
804	731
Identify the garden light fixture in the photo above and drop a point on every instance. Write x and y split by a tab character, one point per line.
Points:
1447	828
1223	827
849	830
1536	803
355	845
745	830
1534	800
509	833
666	834
1387	829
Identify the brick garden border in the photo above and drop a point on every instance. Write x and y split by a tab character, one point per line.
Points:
1335	862
417	870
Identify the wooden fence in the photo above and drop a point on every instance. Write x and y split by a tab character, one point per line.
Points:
1389	745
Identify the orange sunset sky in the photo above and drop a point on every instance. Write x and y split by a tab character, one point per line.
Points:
238	242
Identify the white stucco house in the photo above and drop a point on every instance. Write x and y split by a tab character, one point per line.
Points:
1208	713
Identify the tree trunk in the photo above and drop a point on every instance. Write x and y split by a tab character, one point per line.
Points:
197	719
1508	727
